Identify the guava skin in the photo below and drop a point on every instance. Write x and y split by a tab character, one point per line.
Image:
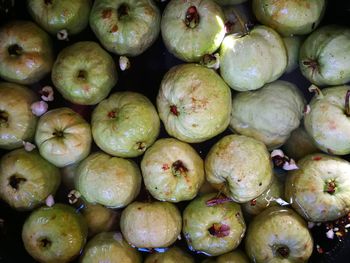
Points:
172	170
110	181
194	103
266	199
26	52
56	15
320	189
327	123
237	17
191	29
230	2
250	61
325	56
269	114
125	124
236	256
292	44
54	234
290	17
109	247
84	73
125	27
240	167
278	235
151	225
26	179
63	137
199	218
17	122
173	255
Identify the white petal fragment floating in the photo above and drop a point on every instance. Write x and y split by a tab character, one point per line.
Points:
28	146
124	63
39	108
47	93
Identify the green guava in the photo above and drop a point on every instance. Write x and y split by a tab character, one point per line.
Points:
173	255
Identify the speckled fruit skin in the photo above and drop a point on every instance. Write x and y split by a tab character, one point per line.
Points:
274	228
125	124
36	179
309	192
236	256
172	170
125	27
26	52
325	56
63	137
84	73
327	122
240	167
269	114
160	220
290	17
56	15
109	247
173	255
194	103
191	43
198	218
250	61
110	181
60	225
17	122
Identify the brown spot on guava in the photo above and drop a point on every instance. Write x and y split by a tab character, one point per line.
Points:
106	13
253	202
114	29
174	111
317	158
165	167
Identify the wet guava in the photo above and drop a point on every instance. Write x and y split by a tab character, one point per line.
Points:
109	247
269	114
125	124
324	57
237	18
191	29
68	175
125	27
26	52
84	73
172	170
266	199
194	103
278	235
320	189
240	167
173	255
213	225
151	225
17	122
106	180
236	256
328	121
250	61
290	17
54	234
56	15
292	44
63	137
299	144
206	188
27	179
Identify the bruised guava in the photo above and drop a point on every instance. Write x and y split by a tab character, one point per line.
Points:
151	225
192	29
328	121
125	27
17	122
278	235
213	224
325	56
320	189
269	114
63	137
240	167
125	124
27	179
54	234
110	181
236	256
109	247
290	17
173	255
194	103
172	170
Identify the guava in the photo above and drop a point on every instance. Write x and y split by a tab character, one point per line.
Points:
236	256
292	44
172	255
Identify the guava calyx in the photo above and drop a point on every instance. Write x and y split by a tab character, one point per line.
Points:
192	17
44	243
312	64
58	133
219	230
82	74
112	114
15	181
220	199
347	104
173	110
4	117
140	146
283	251
178	168
123	10
253	202
15	50
331	186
